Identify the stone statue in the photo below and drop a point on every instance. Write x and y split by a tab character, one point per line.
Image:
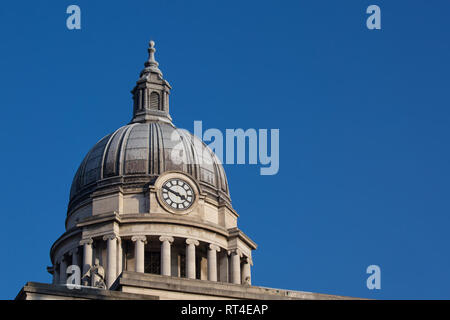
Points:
95	275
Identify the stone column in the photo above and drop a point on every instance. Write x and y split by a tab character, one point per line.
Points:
87	258
111	258
165	255
224	267
119	256
63	270
56	273
236	266
139	252
190	257
246	273
74	254
74	261
146	98
140	105
212	262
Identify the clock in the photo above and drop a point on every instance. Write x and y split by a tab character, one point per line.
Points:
177	194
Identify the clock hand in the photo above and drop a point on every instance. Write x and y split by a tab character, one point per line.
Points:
175	193
179	195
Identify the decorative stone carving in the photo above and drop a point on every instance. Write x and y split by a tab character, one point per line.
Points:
214	247
96	275
139	238
88	241
111	236
166	238
246	274
192	241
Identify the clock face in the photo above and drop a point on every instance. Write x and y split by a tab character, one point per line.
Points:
178	194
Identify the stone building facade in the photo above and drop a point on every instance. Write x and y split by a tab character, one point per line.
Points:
150	208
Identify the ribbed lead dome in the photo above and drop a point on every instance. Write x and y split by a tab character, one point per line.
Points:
146	150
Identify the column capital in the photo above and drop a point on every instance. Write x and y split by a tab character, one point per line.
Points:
139	238
236	251
86	241
214	247
166	238
248	260
192	241
73	251
111	236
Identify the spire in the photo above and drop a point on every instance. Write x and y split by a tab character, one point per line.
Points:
151	93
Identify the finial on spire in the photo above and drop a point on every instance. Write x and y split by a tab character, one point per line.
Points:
151	52
151	65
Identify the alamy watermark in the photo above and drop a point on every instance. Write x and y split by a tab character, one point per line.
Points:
73	21
94	277
236	146
374	280
74	280
374	20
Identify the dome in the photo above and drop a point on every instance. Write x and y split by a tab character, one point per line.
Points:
136	154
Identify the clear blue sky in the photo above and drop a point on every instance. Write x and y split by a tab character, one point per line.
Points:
363	117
